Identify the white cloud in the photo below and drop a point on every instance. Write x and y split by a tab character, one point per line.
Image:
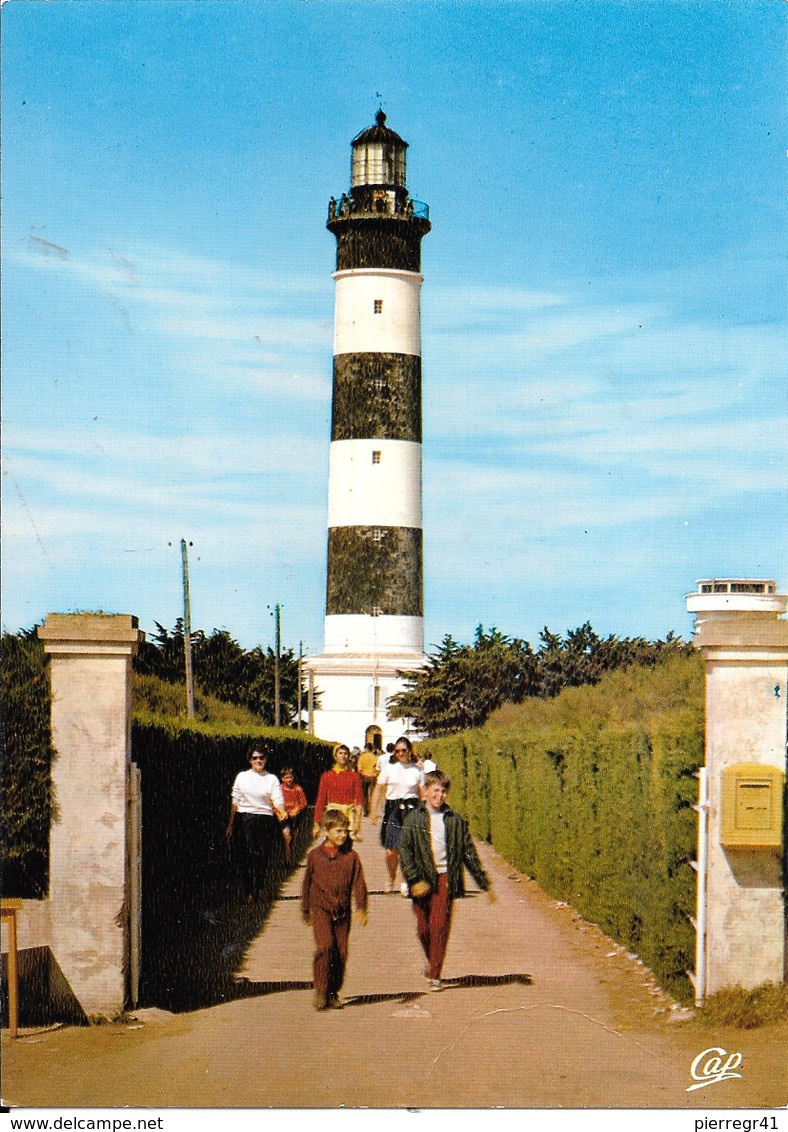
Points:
218	319
270	332
189	453
546	416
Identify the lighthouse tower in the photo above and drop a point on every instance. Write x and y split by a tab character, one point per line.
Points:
374	602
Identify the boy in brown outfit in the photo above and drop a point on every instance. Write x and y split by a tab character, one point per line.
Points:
333	873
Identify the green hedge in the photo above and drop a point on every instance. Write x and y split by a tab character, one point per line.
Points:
591	794
27	805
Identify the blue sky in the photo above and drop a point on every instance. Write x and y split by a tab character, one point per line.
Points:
603	312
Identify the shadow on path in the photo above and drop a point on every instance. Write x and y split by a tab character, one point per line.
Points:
240	988
448	984
488	981
197	927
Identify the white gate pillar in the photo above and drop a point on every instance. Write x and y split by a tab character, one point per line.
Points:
745	646
91	732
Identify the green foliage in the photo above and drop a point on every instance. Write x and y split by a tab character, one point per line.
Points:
591	794
461	685
155	699
746	1009
27	803
225	670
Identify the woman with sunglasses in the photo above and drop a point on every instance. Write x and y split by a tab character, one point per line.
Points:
400	779
258	801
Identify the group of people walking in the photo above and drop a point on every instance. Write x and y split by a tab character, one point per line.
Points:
421	837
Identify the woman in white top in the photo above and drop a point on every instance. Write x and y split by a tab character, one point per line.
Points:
258	801
400	779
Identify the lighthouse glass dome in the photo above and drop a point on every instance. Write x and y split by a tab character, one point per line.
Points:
378	156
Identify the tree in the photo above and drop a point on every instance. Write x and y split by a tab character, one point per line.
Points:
461	685
582	657
226	670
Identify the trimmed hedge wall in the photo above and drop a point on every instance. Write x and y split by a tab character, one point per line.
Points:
28	803
195	926
591	794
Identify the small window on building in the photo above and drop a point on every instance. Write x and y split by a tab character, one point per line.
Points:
376	457
377	611
377	534
378	306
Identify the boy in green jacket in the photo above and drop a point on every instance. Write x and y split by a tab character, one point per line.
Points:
436	848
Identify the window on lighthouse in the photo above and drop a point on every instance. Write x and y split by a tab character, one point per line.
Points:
378	306
376	457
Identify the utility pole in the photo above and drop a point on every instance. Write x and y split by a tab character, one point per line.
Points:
276	613
310	703
300	664
187	631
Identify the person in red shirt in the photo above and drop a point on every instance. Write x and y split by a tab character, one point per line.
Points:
295	798
332	876
341	789
295	803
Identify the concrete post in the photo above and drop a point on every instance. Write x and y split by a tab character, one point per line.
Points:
745	646
91	732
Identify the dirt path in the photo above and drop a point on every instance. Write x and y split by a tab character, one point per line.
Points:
540	1011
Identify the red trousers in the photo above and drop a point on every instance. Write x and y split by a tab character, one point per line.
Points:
331	948
433	921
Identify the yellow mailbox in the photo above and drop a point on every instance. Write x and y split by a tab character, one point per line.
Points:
752	806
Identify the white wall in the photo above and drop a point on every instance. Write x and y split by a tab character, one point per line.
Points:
362	633
350	706
363	494
91	708
396	330
745	646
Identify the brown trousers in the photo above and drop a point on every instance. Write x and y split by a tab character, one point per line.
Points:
331	948
433	922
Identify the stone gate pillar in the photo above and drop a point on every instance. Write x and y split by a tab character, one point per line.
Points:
745	646
91	732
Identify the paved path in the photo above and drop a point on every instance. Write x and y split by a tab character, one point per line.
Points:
540	1011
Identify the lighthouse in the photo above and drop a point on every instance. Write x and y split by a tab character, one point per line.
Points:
374	579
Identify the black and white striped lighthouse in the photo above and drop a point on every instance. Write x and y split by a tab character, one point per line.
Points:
374	590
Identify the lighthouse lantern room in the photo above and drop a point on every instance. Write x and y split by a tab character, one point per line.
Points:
374	582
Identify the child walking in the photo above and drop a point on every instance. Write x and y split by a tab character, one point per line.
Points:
295	805
333	874
436	850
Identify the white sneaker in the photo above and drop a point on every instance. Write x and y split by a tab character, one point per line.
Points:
404	888
436	985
